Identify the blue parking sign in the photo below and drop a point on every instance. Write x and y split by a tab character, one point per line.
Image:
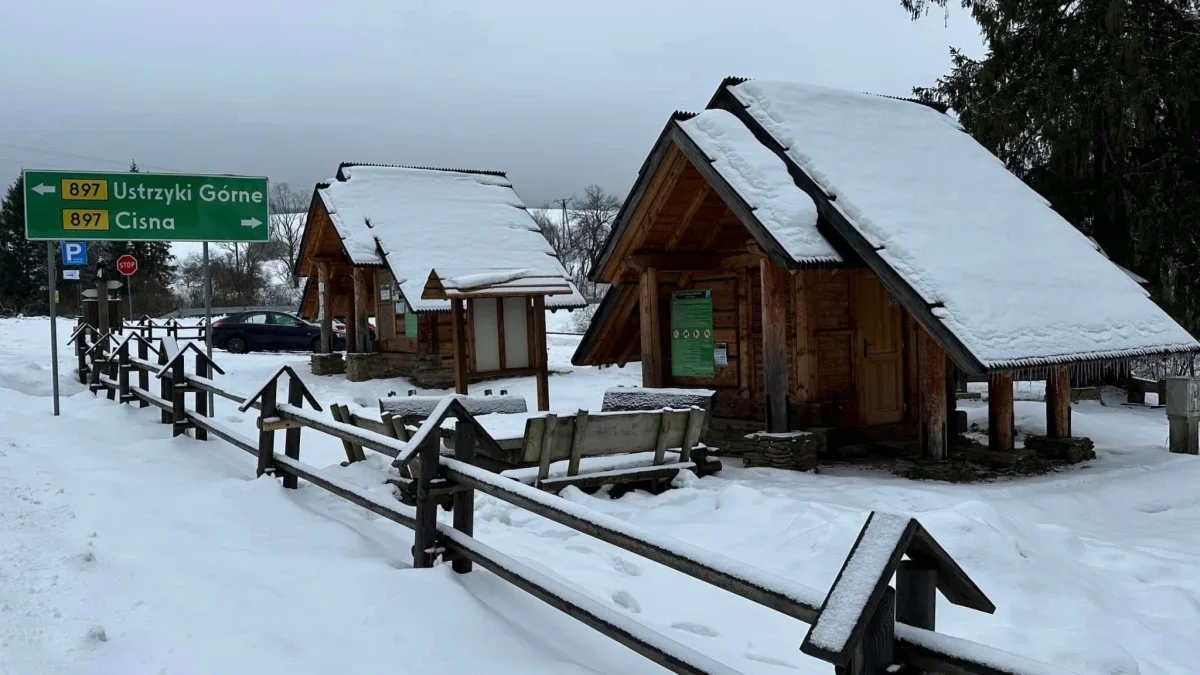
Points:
74	253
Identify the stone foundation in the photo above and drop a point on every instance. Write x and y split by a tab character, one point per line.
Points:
1085	394
1070	450
328	364
729	437
427	372
796	450
378	366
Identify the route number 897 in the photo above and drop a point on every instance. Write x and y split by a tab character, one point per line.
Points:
81	188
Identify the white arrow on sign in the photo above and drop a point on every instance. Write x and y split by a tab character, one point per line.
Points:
42	189
246	222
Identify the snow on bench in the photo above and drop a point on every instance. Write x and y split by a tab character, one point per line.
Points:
422	407
644	398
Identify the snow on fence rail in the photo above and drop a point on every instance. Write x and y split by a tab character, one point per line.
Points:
863	626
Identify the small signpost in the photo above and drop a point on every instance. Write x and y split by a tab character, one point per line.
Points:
128	206
127	265
70	275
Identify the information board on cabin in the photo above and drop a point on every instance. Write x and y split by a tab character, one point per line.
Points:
410	325
692	334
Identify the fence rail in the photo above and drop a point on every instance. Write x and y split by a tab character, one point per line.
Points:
891	627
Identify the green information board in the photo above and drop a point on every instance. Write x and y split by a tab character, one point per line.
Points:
410	325
692	334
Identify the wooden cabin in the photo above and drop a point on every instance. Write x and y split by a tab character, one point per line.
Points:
449	264
823	258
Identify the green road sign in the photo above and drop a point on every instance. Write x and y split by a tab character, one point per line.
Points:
128	206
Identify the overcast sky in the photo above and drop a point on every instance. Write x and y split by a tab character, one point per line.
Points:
558	93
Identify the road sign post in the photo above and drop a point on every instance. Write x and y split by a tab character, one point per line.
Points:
128	266
128	206
51	276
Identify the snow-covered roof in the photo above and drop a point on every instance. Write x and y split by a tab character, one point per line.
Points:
457	223
762	180
1012	280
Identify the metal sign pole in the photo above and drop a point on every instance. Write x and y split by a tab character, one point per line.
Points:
50	276
208	320
129	291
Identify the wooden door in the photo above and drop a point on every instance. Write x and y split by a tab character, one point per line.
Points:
879	365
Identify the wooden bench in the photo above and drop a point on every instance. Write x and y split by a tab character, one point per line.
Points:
414	409
628	446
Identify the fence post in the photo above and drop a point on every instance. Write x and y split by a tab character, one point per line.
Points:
464	501
179	420
202	370
173	328
164	385
916	594
95	369
874	655
266	437
425	533
123	373
81	347
291	437
114	373
143	374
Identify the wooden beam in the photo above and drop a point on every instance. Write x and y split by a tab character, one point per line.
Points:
776	295
652	357
671	261
459	329
804	389
325	307
385	310
932	363
500	333
364	280
1058	402
539	337
745	336
1000	411
689	214
345	307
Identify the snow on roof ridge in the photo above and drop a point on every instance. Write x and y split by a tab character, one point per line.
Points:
734	80
480	172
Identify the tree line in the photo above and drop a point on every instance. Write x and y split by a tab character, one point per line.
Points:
258	273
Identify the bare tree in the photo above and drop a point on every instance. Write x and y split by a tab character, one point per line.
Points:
288	212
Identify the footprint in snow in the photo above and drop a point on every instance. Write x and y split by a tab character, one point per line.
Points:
627	601
770	660
578	549
696	629
1154	508
625	567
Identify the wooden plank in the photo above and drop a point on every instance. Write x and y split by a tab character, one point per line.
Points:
689	214
602	478
472	351
932	359
651	329
502	345
531	449
691	436
660	444
547	446
364	281
916	594
266	438
464	500
425	533
291	437
345	307
609	434
385	310
542	363
1000	411
804	388
1058	402
458	331
341	413
578	439
201	398
875	653
776	292
745	335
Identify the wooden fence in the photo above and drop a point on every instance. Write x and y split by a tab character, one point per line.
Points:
863	626
148	329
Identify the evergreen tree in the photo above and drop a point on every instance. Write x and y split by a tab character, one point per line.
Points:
22	262
1095	104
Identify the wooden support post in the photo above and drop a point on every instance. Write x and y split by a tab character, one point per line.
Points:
916	594
744	335
347	303
805	385
325	307
464	501
1058	402
458	327
291	437
164	386
179	420
547	449
875	654
1000	411
201	397
114	372
266	437
363	282
425	532
102	304
651	320
932	360
952	430
776	288
354	453
577	441
539	339
143	374
385	308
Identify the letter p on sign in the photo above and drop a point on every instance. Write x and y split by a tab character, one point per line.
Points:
74	253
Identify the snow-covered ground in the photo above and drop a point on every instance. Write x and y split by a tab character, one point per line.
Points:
126	552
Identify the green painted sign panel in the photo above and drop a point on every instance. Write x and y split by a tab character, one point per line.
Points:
126	206
410	325
692	334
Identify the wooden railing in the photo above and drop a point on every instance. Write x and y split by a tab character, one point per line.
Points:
863	626
149	329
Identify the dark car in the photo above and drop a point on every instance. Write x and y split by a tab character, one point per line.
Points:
270	331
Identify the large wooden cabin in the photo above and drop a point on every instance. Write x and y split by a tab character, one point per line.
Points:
448	263
823	258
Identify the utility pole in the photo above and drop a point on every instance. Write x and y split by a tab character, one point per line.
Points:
566	224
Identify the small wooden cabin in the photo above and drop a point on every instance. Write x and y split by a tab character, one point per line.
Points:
826	258
449	264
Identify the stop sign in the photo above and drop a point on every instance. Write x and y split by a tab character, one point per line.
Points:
127	265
